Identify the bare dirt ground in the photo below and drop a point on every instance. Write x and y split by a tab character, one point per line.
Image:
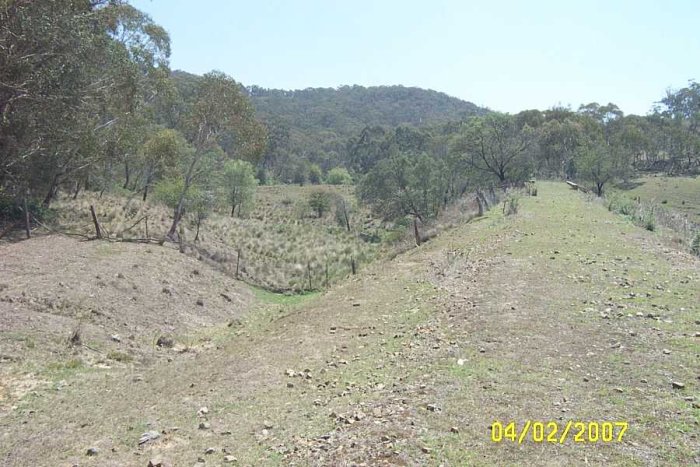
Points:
560	312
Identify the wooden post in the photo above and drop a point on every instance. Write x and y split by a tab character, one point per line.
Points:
27	222
308	270
327	281
353	266
238	262
146	226
98	232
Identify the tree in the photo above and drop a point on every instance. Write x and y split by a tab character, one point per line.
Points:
495	145
343	212
320	201
162	153
70	73
404	185
339	176
239	182
315	174
219	107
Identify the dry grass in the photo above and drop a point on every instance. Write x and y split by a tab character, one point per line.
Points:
282	245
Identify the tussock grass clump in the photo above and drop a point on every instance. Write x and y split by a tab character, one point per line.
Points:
695	245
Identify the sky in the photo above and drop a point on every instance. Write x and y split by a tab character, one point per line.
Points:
505	55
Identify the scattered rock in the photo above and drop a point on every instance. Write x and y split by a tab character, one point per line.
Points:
267	425
204	425
226	297
454	429
165	341
666	352
460	362
230	459
167	291
209	451
92	451
200	302
432	408
149	436
290	384
426	450
116	338
158	461
677	385
620	390
202	411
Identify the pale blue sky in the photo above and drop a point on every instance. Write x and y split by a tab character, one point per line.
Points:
507	55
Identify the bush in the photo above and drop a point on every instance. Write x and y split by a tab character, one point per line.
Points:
339	176
510	206
320	201
12	209
315	174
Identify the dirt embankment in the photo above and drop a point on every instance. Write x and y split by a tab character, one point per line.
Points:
113	300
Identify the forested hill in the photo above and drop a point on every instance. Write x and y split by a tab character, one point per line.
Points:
314	125
350	108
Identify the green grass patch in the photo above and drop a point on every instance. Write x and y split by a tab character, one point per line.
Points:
679	193
273	298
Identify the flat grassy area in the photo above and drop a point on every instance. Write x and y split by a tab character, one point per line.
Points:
679	193
561	312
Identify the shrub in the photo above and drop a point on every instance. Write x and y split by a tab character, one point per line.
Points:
320	201
339	176
315	174
510	205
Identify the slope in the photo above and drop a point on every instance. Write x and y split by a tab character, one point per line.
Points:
561	312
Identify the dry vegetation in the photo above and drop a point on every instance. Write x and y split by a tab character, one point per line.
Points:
283	245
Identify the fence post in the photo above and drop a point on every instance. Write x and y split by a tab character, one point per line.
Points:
238	262
98	232
27	222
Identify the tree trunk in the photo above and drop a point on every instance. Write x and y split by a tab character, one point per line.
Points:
481	206
126	174
416	233
181	202
77	189
199	222
145	192
51	193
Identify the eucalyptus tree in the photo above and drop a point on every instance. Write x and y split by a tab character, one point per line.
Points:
218	108
405	185
497	146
